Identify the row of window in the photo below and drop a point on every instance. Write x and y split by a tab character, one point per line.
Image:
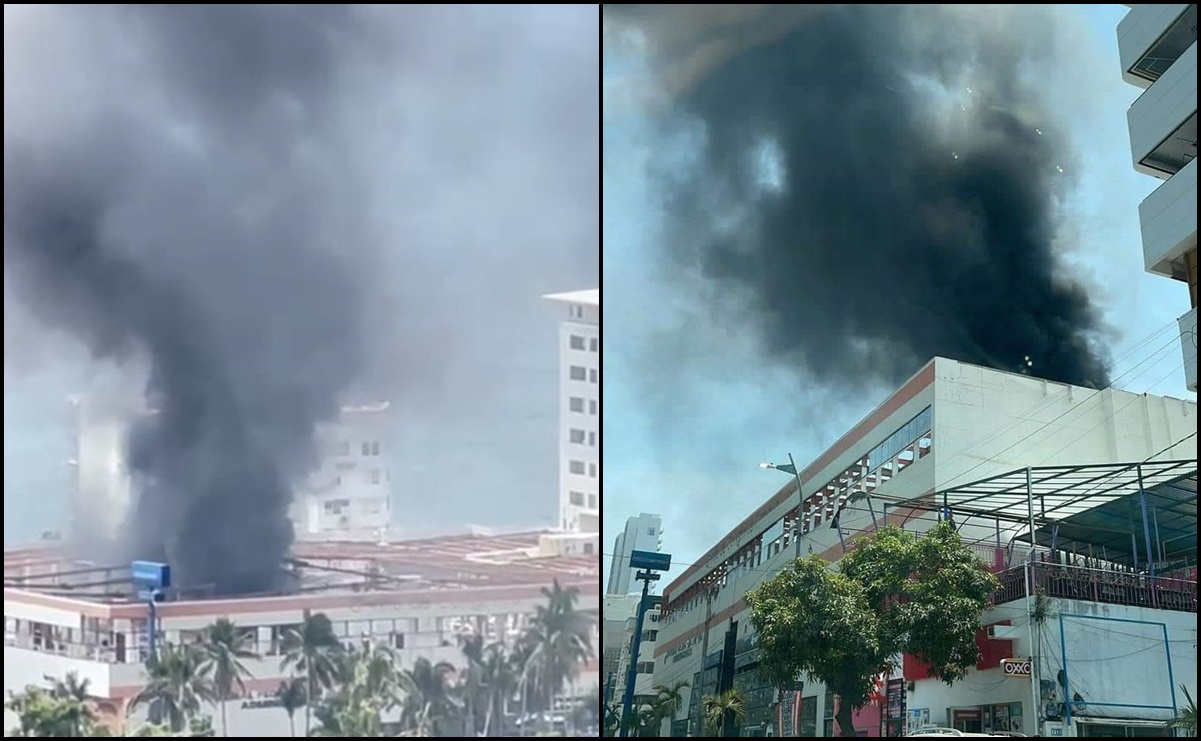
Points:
368	448
580	373
578	498
578	343
911	441
577	468
576	404
375	475
578	437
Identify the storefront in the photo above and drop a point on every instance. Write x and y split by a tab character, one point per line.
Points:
986	718
1115	728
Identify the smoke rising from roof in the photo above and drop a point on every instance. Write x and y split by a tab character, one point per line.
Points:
214	192
875	185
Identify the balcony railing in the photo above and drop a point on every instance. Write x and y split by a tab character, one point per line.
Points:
1099	585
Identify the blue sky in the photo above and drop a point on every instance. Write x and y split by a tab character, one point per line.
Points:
685	444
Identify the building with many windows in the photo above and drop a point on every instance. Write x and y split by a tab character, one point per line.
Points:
641	533
348	493
423	598
951	423
1157	45
579	412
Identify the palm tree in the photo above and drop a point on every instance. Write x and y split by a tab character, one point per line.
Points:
178	685
720	709
1186	717
291	697
430	702
473	681
224	646
668	701
314	649
560	639
499	677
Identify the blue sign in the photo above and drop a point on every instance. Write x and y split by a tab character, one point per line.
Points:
650	560
151	575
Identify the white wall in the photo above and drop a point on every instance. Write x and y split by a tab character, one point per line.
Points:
1141	28
1108	662
1163	107
579	347
1169	220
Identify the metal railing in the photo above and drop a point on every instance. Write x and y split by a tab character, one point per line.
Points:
1098	585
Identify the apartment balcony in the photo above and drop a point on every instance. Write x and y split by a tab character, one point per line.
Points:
1176	593
1169	224
1163	121
1152	37
1188	344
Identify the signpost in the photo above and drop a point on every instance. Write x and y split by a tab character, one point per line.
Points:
651	562
150	578
1017	668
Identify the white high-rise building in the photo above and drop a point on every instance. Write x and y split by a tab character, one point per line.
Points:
1157	45
579	413
348	493
642	533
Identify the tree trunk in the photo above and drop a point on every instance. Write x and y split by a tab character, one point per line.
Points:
488	714
224	720
308	704
846	724
292	724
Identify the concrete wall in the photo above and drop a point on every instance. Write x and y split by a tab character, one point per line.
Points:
1162	108
1107	662
1168	218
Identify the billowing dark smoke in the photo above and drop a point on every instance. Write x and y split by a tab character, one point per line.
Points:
878	185
195	230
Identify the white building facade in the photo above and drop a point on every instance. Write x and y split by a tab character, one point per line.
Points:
950	424
1157	45
579	412
641	533
348	493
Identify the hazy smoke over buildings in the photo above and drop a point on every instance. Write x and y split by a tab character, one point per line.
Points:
875	185
201	191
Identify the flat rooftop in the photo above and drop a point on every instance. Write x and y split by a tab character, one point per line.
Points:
466	565
589	298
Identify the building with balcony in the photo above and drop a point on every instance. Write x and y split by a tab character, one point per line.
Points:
641	533
421	597
949	424
579	411
1157	45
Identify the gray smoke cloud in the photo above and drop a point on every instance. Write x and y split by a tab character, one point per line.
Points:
874	185
210	192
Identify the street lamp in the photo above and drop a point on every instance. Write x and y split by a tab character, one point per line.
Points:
791	469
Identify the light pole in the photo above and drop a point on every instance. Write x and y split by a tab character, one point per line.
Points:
650	563
790	468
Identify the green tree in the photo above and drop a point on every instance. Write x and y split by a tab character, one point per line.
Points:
668	701
474	690
500	676
291	698
314	650
62	712
430	703
369	684
1186	717
225	646
893	593
560	642
178	683
722	711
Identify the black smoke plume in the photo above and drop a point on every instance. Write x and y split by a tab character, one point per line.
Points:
877	185
198	214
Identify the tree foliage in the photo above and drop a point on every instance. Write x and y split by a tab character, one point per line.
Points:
892	593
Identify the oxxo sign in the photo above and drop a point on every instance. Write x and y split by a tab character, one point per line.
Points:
1017	667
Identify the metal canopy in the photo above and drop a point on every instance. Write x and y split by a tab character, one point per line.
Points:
1093	509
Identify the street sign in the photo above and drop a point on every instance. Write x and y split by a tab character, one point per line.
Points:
1017	668
650	560
151	575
